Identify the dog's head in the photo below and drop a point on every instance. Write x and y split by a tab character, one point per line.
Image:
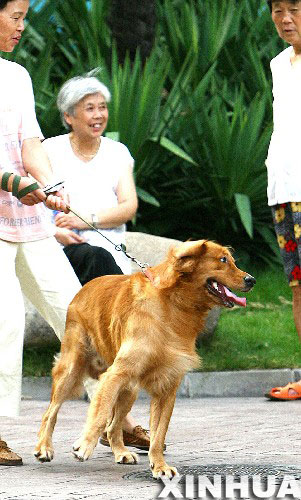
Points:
207	265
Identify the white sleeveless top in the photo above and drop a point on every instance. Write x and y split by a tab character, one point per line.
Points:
92	186
284	155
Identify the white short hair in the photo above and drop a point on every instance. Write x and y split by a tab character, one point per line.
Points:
75	89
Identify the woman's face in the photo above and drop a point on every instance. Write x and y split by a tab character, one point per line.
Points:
12	24
287	19
90	116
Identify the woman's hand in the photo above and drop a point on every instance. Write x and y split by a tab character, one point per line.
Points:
69	221
68	237
55	201
36	163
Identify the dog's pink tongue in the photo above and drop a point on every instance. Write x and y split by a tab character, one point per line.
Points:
240	301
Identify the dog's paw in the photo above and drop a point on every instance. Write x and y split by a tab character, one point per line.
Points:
82	449
77	444
44	454
126	457
163	470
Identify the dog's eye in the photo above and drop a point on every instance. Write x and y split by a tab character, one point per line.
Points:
224	259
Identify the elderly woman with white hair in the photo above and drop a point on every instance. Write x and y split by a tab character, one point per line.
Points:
99	186
98	171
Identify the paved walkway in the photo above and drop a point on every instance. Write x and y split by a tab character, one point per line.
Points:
203	432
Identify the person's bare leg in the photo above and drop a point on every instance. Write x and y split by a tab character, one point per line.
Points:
129	423
297	308
297	319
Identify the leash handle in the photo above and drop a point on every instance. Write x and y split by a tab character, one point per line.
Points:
53	188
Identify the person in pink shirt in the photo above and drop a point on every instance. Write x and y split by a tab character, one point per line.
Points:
31	261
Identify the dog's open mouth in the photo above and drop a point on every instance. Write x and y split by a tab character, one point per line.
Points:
228	298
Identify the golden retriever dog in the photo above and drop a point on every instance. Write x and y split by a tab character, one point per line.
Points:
133	332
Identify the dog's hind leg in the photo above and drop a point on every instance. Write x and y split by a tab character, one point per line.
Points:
122	407
67	374
160	412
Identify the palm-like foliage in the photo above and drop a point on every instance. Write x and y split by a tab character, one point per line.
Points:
195	26
82	33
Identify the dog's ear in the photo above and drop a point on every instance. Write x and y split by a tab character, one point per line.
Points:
181	259
190	249
186	255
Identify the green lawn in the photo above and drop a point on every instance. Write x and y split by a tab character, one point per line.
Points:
38	360
262	335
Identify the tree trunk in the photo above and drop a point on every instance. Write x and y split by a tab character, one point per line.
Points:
133	25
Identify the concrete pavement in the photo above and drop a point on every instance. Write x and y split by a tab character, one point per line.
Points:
204	432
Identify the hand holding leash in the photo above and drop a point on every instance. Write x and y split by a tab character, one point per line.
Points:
54	200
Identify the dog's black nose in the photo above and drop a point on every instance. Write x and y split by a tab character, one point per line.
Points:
250	281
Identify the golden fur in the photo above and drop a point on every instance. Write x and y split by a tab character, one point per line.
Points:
130	333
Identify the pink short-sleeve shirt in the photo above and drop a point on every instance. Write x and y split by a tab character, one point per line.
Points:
18	222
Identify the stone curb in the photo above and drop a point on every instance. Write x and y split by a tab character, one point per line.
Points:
251	383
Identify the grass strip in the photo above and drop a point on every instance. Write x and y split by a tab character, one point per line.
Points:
38	359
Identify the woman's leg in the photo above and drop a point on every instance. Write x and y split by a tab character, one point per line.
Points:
90	262
287	223
297	308
12	322
48	280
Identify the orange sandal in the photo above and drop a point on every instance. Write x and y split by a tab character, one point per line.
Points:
284	394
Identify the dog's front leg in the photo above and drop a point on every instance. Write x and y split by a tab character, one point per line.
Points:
160	413
110	385
122	407
44	449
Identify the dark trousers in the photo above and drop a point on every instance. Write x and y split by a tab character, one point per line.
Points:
90	262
